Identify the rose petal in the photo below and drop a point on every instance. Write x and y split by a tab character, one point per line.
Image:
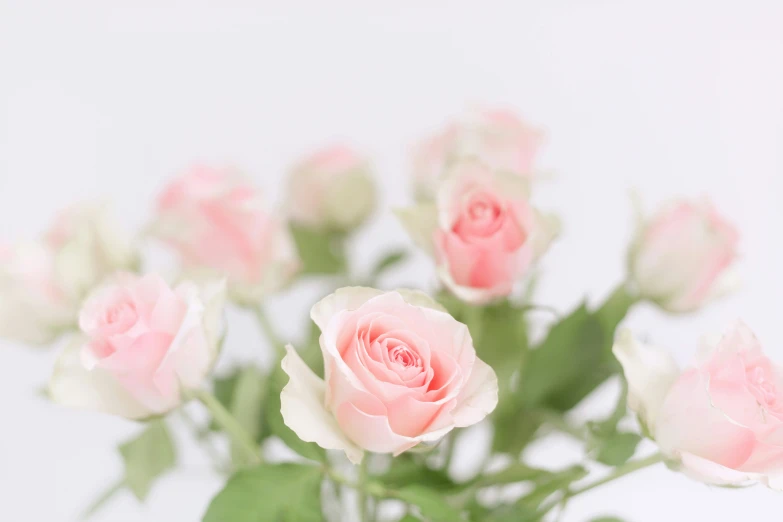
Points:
302	406
73	385
710	472
650	374
420	222
689	422
371	432
479	396
348	298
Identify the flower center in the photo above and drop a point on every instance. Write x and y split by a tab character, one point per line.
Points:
404	356
481	216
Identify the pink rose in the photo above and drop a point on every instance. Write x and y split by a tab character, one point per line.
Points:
399	371
43	282
218	223
720	420
497	137
481	230
681	258
333	189
142	342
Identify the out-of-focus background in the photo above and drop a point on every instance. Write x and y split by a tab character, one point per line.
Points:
109	99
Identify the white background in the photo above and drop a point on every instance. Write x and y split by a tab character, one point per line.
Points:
669	98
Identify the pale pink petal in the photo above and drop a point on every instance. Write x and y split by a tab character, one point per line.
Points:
650	374
688	422
478	397
72	385
348	298
302	404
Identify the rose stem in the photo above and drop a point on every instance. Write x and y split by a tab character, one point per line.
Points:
618	472
269	330
203	439
229	424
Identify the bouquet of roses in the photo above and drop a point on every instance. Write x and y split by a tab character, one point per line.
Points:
371	402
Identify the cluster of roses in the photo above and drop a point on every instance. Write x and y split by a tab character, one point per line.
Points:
399	370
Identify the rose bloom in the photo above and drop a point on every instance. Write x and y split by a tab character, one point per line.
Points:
43	282
400	371
481	230
720	420
142	341
333	189
499	138
218	223
682	257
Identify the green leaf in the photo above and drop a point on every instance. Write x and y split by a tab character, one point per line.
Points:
576	356
410	518
500	336
270	493
431	503
526	509
405	471
223	390
274	420
557	481
147	457
616	449
517	472
320	252
388	261
247	406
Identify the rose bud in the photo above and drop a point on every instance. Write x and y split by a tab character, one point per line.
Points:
42	283
719	421
218	223
400	371
682	257
481	230
332	189
142	343
499	138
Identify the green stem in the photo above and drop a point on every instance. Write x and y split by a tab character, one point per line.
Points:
373	489
363	475
229	424
618	472
269	331
560	424
203	440
103	499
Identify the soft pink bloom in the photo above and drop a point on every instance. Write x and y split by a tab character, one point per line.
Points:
332	189
43	282
143	341
682	256
219	224
497	137
399	370
721	420
482	231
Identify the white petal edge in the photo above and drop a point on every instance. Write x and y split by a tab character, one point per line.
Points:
420	299
71	384
478	397
710	472
348	298
420	222
303	409
650	373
